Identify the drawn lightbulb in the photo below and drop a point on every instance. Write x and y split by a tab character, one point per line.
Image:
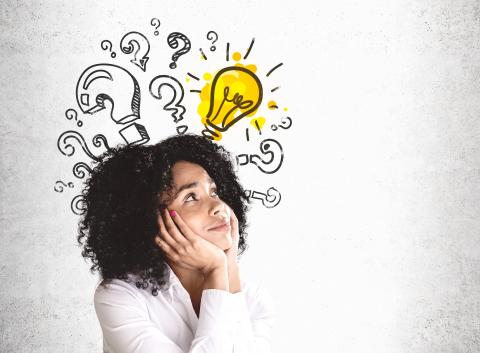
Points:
236	92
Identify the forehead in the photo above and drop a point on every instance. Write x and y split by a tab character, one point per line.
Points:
185	172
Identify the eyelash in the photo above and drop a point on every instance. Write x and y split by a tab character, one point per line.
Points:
193	194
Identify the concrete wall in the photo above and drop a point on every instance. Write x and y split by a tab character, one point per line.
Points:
375	245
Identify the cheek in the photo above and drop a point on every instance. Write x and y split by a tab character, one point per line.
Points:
194	222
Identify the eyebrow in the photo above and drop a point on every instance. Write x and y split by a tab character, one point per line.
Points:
190	186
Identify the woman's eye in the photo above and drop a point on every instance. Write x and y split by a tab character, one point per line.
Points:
188	196
214	191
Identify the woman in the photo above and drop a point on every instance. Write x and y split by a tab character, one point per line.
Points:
163	226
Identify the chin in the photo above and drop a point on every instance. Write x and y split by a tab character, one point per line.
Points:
224	243
222	240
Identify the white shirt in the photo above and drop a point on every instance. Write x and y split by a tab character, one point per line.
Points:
135	321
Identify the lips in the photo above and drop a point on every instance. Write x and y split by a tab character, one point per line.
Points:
220	226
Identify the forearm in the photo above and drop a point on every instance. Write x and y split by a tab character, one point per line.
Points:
217	278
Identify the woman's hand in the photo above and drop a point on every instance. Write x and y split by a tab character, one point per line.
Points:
231	253
185	248
233	270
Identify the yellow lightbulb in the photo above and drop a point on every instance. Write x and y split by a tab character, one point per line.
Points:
235	92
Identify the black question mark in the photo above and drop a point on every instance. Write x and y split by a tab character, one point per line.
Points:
284	124
269	199
212	35
72	114
107	45
270	164
172	40
154	22
59	185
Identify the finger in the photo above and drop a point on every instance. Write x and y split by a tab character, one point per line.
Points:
233	219
167	249
183	227
169	252
164	234
174	230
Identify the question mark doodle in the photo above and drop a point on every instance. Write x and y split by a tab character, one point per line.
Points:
107	45
266	166
174	104
136	40
59	185
270	199
71	114
172	40
68	150
78	172
101	83
99	140
212	35
283	122
78	205
154	23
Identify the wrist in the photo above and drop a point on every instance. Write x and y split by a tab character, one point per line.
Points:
234	278
218	265
232	265
217	278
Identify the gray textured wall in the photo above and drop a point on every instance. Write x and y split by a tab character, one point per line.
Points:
375	246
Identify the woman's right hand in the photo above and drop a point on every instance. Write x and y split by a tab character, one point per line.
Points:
185	248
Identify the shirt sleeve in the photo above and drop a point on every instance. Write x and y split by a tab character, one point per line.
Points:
254	322
127	328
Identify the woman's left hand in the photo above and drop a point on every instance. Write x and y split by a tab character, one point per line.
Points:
233	250
233	270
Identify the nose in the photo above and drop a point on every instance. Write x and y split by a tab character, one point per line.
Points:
217	207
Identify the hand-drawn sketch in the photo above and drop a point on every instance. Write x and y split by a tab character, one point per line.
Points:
138	44
107	45
155	22
213	36
174	105
233	91
173	42
286	122
229	83
103	83
269	199
59	185
272	149
72	114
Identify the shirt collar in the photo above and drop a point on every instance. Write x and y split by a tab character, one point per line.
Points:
173	280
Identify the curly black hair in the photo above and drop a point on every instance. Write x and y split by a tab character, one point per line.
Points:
122	198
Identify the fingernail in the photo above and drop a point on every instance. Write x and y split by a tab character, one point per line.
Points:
173	213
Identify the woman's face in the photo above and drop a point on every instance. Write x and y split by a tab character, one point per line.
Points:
196	201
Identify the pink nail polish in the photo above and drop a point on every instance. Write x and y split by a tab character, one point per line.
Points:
173	213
